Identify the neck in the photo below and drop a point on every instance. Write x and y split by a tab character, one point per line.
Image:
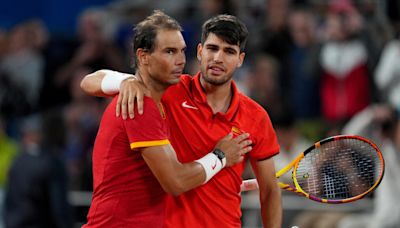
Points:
156	89
218	96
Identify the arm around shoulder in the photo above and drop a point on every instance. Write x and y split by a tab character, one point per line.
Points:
103	83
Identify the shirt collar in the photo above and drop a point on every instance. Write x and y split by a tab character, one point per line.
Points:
200	96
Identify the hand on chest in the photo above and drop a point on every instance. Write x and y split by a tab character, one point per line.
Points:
198	126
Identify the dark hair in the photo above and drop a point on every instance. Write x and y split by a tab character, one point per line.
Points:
228	28
146	30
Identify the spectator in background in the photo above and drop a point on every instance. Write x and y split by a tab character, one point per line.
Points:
22	65
381	124
345	87
376	30
82	116
272	37
304	72
387	72
8	150
13	104
36	193
56	50
212	8
21	75
263	85
96	50
38	34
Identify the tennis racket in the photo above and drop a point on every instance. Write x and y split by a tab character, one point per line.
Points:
339	169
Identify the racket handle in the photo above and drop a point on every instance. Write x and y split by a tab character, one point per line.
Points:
248	185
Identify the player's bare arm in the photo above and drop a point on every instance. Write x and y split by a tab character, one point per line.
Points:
270	193
130	90
91	84
176	177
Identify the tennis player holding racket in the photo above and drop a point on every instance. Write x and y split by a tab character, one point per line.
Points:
133	161
200	110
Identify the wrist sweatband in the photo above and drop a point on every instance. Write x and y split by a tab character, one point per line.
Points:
211	165
112	81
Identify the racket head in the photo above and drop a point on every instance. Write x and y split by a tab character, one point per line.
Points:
338	169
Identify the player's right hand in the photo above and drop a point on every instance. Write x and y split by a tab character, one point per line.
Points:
234	148
131	90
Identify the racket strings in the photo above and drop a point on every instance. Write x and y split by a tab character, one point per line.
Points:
339	169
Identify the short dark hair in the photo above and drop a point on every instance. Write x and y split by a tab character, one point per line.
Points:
228	28
146	31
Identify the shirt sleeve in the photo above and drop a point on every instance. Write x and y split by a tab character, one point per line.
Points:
265	142
148	129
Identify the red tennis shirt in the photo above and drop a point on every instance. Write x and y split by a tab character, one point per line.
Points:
194	132
126	193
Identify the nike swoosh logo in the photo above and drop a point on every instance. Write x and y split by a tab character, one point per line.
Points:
215	165
185	105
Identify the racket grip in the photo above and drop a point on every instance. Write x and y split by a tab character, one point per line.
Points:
248	185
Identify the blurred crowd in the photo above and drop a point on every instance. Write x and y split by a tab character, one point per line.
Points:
318	67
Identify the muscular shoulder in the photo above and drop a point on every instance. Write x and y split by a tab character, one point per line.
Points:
152	110
149	105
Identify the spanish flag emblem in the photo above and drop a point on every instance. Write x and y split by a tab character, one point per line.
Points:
236	130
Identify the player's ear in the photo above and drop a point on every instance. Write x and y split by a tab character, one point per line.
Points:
142	56
199	51
241	59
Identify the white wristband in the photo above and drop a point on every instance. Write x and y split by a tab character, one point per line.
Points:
112	81
211	165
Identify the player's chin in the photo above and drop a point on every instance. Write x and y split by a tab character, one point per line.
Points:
174	80
216	80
